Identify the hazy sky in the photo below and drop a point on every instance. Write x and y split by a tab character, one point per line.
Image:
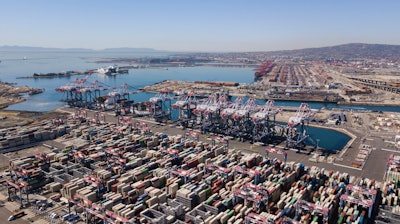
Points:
203	25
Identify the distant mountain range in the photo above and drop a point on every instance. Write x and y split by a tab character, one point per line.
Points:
352	51
126	49
345	51
45	49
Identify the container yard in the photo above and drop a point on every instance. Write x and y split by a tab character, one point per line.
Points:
187	158
95	170
257	90
299	81
292	74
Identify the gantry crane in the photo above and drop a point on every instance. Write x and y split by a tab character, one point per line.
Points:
249	196
160	105
107	216
295	138
77	94
17	186
185	174
361	196
264	122
208	113
253	218
250	172
186	104
277	151
302	205
242	122
259	189
27	178
224	171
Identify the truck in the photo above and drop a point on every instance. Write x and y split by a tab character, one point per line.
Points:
16	215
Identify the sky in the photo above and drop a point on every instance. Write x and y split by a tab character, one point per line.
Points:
204	25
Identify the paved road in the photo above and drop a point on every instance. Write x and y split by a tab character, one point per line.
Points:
4	214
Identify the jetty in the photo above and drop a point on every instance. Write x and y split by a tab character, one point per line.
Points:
120	70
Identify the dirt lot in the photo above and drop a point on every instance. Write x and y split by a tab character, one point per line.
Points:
20	118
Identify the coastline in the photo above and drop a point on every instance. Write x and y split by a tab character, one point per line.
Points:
368	104
10	95
7	104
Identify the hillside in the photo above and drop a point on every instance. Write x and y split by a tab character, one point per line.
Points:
345	51
7	48
338	52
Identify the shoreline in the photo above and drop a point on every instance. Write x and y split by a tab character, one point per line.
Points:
352	136
5	105
11	94
368	104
